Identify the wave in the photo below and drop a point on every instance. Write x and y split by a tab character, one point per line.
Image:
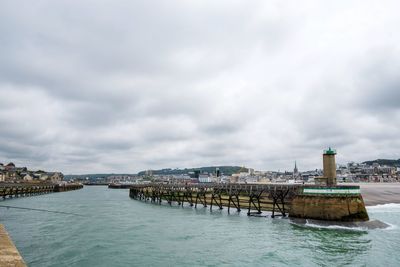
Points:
336	227
391	227
389	207
308	223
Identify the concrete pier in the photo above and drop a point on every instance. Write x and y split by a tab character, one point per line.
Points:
9	255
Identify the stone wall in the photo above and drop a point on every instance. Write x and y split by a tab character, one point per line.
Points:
329	207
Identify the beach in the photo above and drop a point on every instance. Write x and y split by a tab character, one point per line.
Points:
380	193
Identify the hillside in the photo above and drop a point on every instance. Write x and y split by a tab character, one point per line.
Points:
91	176
388	162
227	170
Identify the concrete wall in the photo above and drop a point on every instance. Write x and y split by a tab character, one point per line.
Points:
9	255
329	208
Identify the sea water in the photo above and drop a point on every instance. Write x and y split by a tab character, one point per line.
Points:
114	230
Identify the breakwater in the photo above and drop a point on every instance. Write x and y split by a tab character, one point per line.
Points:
119	186
22	190
67	187
334	203
95	184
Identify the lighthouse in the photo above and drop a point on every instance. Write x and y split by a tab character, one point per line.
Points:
329	166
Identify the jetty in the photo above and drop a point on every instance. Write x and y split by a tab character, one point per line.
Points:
339	203
10	190
119	186
323	201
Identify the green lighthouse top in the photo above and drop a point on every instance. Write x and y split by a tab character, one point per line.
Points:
330	151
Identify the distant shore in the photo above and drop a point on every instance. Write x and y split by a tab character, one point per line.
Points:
380	193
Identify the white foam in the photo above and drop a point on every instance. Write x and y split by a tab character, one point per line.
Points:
337	227
391	227
332	226
390	207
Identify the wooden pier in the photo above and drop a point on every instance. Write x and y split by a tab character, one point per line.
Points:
335	203
22	190
254	198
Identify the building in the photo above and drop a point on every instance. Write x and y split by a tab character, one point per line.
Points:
10	166
296	173
28	178
55	177
204	178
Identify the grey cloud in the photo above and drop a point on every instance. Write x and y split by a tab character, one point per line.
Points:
381	84
123	86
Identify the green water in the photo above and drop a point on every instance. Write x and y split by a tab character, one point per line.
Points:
118	231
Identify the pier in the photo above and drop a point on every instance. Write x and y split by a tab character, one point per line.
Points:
253	198
323	201
339	203
119	186
22	190
67	187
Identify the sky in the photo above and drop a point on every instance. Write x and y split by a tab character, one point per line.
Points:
124	86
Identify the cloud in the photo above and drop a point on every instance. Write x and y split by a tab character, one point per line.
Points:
97	86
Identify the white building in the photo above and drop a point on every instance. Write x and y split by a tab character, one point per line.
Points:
204	178
27	177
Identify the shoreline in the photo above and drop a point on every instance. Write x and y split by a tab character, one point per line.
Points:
380	193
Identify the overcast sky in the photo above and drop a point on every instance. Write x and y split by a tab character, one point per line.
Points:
122	86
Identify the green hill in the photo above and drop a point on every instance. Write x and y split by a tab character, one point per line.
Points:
387	162
226	170
92	176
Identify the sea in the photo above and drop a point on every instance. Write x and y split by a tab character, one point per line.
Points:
104	227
